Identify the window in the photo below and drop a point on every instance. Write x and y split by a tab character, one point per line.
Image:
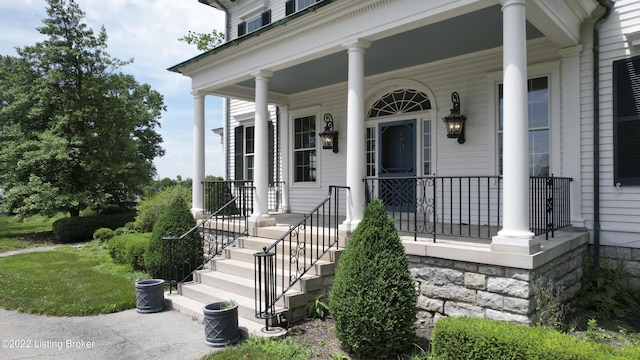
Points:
255	23
248	151
426	147
304	150
538	114
292	6
370	142
626	121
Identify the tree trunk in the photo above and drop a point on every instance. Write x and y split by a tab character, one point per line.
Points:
74	212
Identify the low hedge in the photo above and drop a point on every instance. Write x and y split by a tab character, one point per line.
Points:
129	249
472	338
77	229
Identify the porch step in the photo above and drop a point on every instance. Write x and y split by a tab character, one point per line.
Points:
231	277
194	309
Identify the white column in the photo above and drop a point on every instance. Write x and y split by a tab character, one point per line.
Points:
355	135
571	128
260	216
515	236
197	190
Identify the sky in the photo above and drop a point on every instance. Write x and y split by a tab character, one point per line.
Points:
148	32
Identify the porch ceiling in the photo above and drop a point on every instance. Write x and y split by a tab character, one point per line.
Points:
468	33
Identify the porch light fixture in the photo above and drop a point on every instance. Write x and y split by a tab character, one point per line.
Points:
329	136
455	121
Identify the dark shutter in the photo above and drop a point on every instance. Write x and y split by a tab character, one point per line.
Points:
290	7
272	157
626	121
242	28
239	153
266	17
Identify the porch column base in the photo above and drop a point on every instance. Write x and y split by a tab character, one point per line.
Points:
197	213
261	221
348	226
523	244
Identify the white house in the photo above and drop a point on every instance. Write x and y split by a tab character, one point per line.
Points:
549	90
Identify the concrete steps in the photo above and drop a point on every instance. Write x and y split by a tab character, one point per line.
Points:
231	277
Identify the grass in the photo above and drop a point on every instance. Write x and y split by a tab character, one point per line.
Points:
257	348
67	281
16	234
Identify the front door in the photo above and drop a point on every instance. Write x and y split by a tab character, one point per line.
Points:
397	164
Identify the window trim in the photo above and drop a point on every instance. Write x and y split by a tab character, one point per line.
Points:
550	69
292	115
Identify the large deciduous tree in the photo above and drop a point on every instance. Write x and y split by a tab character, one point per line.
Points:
75	131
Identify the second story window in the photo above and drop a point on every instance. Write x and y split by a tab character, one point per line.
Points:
254	23
292	6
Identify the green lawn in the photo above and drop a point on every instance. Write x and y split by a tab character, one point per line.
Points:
16	234
66	282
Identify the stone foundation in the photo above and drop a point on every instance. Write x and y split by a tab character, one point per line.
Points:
611	256
453	287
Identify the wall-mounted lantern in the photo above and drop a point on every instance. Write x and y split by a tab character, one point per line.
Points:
329	136
455	121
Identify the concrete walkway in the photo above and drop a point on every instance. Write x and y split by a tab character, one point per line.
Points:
123	335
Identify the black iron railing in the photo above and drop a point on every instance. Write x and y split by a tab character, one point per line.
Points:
282	264
214	234
550	200
466	206
218	192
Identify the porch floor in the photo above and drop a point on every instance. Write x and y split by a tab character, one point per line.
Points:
477	250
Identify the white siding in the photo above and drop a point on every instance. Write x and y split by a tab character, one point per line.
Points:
619	209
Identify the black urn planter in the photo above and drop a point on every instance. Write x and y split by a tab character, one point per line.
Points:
150	296
221	324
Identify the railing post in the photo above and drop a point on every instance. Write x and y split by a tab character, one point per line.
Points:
168	273
265	285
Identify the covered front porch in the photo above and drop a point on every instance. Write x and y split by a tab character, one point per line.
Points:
307	72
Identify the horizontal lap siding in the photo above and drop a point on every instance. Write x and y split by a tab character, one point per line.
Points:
467	75
619	209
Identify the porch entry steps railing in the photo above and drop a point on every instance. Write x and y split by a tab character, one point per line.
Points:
218	231
218	192
467	206
280	266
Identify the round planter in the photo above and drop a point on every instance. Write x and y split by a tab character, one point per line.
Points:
150	296
221	324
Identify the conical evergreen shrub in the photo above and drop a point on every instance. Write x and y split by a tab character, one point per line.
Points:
373	299
175	220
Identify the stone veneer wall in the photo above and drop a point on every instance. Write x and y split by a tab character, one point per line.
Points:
458	288
630	257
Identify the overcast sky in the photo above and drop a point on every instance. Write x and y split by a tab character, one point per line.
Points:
147	31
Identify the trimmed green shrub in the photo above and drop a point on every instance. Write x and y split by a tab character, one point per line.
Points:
175	220
217	195
373	298
149	210
77	229
103	234
129	249
473	338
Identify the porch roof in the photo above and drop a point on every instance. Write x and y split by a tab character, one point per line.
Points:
305	50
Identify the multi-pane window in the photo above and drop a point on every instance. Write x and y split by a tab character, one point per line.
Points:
249	141
292	6
304	150
426	147
538	115
254	23
370	142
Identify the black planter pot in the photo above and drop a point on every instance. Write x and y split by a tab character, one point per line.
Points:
150	296
221	324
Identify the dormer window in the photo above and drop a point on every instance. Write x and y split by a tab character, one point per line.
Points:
292	6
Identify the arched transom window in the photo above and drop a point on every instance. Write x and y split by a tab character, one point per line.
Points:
399	102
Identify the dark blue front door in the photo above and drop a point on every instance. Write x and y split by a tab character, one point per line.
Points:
397	164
